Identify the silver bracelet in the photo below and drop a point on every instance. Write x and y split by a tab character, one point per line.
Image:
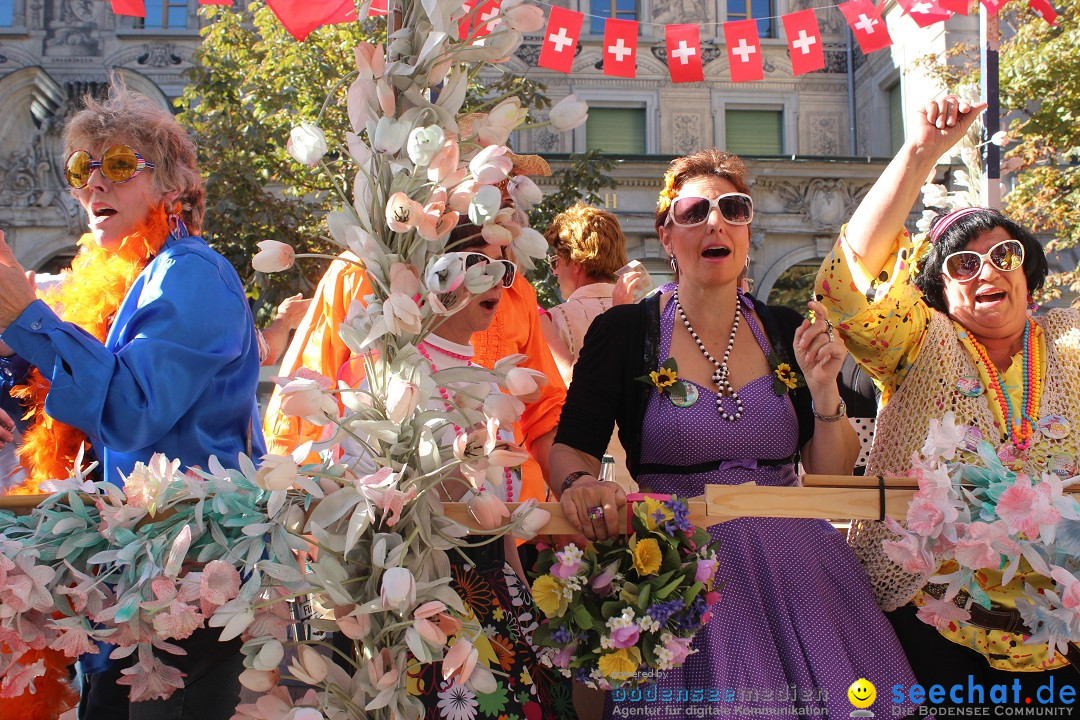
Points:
840	412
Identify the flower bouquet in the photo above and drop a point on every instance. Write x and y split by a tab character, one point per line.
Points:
621	610
972	513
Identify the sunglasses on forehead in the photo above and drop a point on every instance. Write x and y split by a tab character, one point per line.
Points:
118	164
691	210
1006	256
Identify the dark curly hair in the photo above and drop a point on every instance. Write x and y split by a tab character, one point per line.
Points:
956	237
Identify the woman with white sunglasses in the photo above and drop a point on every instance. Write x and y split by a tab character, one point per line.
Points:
944	322
754	393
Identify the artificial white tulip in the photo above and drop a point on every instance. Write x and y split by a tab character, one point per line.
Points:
307	144
273	256
568	113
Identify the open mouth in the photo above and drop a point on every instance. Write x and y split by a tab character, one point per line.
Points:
990	296
716	252
102	211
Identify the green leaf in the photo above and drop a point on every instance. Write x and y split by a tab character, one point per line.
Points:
583	618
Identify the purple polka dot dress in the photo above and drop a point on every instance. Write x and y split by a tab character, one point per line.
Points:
797	624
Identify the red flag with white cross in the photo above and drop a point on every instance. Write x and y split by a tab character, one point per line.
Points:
1044	9
925	12
993	6
466	20
744	50
684	53
804	41
561	39
867	25
620	48
960	7
378	7
487	18
130	8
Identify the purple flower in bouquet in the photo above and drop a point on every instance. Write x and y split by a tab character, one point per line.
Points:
680	517
570	561
662	612
625	637
562	658
705	570
601	584
678	648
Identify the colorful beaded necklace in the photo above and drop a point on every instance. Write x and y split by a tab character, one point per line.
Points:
445	394
1021	428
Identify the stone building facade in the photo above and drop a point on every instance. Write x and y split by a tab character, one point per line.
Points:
814	143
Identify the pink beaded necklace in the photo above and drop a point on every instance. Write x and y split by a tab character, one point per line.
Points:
444	393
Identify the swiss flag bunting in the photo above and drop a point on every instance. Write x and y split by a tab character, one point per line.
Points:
992	6
925	12
378	7
131	8
300	17
465	23
684	53
744	50
960	7
620	48
487	18
1044	9
561	39
804	41
867	25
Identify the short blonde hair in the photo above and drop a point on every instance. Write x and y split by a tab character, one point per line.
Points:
130	118
591	237
705	163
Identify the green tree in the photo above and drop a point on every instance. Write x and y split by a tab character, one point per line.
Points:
1040	82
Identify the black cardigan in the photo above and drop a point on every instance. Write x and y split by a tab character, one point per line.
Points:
623	344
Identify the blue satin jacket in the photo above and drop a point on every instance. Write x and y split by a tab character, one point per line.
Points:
176	375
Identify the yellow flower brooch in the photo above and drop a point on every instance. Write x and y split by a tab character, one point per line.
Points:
668	193
666	381
785	379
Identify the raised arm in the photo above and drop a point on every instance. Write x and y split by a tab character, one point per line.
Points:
933	130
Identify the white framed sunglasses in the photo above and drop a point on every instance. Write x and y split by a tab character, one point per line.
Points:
470	259
965	265
692	210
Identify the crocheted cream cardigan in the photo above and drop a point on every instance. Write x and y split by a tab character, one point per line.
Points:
927	393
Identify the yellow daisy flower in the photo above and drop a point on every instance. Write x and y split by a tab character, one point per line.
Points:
621	664
548	596
662	378
787	376
647	556
652	508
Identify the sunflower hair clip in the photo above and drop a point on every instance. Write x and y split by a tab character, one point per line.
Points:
666	380
668	193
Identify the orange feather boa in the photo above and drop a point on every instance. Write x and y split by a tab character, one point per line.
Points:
88	296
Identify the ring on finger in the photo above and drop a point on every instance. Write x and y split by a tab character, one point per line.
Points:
596	512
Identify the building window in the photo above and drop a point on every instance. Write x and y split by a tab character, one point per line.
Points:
896	119
754	132
603	9
164	15
619	131
762	10
7	13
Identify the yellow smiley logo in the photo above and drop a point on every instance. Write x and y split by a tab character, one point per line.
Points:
862	693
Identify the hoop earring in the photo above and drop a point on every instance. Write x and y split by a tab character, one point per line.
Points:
674	263
178	229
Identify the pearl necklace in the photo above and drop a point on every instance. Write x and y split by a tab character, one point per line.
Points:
720	375
507	472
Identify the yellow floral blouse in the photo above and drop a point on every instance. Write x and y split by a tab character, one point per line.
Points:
883	319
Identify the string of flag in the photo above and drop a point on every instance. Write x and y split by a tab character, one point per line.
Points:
682	41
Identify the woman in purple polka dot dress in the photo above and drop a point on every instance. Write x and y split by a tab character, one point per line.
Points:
797	624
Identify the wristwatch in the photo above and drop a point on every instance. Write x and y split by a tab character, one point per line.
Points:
571	479
840	412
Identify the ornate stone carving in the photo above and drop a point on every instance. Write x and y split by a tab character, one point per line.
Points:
825	203
545	141
529	53
686	133
824	134
161	54
679	11
72	29
835	62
